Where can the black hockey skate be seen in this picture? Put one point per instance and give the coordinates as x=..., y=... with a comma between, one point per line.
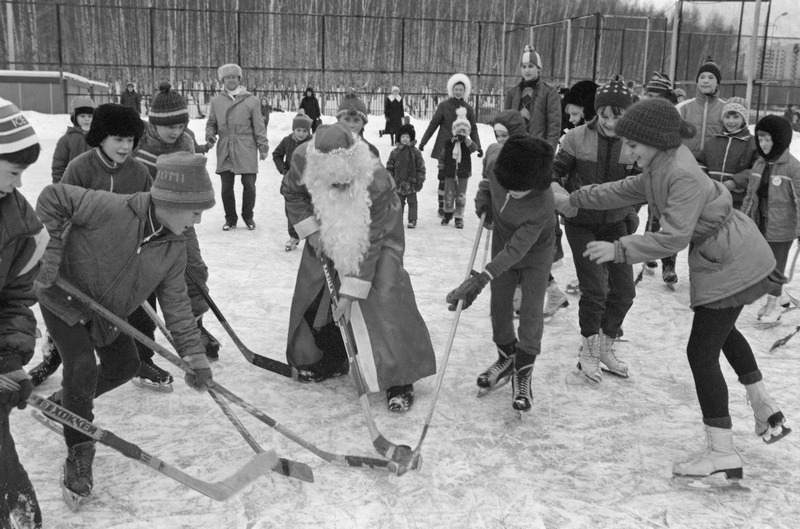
x=152, y=377
x=521, y=389
x=77, y=481
x=50, y=362
x=499, y=373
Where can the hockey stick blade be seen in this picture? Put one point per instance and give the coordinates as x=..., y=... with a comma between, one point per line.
x=256, y=467
x=123, y=325
x=256, y=359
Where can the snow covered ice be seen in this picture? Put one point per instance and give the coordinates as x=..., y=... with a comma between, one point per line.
x=582, y=458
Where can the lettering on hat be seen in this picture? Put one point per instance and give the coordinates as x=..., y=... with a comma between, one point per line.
x=19, y=120
x=171, y=176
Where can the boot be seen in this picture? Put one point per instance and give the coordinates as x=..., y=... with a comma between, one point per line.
x=770, y=313
x=554, y=299
x=720, y=456
x=521, y=382
x=499, y=372
x=209, y=342
x=769, y=419
x=614, y=365
x=668, y=274
x=460, y=224
x=589, y=358
x=447, y=218
x=51, y=359
x=78, y=468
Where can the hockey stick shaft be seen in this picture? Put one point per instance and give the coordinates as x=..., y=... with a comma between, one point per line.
x=256, y=359
x=124, y=326
x=796, y=302
x=256, y=467
x=283, y=466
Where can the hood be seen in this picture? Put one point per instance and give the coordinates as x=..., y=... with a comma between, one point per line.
x=781, y=132
x=513, y=121
x=459, y=78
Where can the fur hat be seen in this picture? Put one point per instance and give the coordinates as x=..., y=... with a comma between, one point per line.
x=81, y=105
x=781, y=132
x=582, y=94
x=182, y=182
x=17, y=132
x=738, y=105
x=459, y=78
x=406, y=129
x=168, y=107
x=524, y=163
x=613, y=94
x=229, y=69
x=513, y=122
x=529, y=56
x=112, y=119
x=301, y=121
x=711, y=67
x=655, y=122
x=352, y=104
x=659, y=84
x=461, y=125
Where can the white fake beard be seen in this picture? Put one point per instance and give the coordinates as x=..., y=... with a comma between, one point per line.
x=338, y=185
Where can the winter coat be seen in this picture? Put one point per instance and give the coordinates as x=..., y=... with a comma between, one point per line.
x=515, y=124
x=22, y=242
x=705, y=113
x=729, y=156
x=727, y=255
x=151, y=146
x=385, y=319
x=131, y=99
x=783, y=202
x=449, y=167
x=310, y=105
x=132, y=265
x=443, y=118
x=587, y=156
x=92, y=170
x=393, y=111
x=544, y=109
x=282, y=155
x=242, y=134
x=407, y=167
x=69, y=146
x=266, y=110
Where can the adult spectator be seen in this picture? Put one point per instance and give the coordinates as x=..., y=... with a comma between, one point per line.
x=131, y=98
x=393, y=112
x=310, y=105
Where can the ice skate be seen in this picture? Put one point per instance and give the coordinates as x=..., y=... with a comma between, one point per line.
x=669, y=276
x=323, y=370
x=589, y=358
x=51, y=360
x=446, y=218
x=574, y=288
x=719, y=458
x=650, y=268
x=291, y=244
x=400, y=398
x=554, y=299
x=770, y=314
x=152, y=377
x=521, y=388
x=459, y=223
x=77, y=481
x=499, y=373
x=769, y=419
x=608, y=359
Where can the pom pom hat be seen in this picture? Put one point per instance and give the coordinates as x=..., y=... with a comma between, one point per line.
x=524, y=163
x=659, y=84
x=529, y=56
x=352, y=104
x=229, y=69
x=16, y=132
x=301, y=121
x=655, y=122
x=182, y=182
x=613, y=94
x=168, y=107
x=711, y=67
x=114, y=120
x=461, y=124
x=738, y=105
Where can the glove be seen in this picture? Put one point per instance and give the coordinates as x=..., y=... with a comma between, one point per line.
x=421, y=147
x=211, y=140
x=48, y=272
x=17, y=397
x=480, y=153
x=468, y=290
x=483, y=204
x=200, y=378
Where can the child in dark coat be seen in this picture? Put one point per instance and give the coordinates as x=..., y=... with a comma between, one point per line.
x=408, y=170
x=73, y=142
x=282, y=156
x=455, y=166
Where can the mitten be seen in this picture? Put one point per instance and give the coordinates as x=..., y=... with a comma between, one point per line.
x=48, y=271
x=17, y=397
x=468, y=290
x=211, y=140
x=480, y=153
x=200, y=378
x=483, y=204
x=421, y=147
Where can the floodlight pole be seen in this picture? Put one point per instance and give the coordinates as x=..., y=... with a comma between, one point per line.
x=751, y=54
x=646, y=49
x=676, y=22
x=568, y=54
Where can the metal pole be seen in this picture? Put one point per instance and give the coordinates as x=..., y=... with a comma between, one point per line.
x=152, y=47
x=403, y=53
x=646, y=49
x=686, y=70
x=10, y=50
x=478, y=71
x=503, y=52
x=622, y=52
x=751, y=55
x=738, y=48
x=568, y=54
x=552, y=64
x=763, y=59
x=597, y=33
x=324, y=73
x=676, y=22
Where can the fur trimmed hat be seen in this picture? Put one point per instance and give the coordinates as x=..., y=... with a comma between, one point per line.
x=512, y=121
x=529, y=56
x=781, y=132
x=16, y=132
x=112, y=119
x=406, y=129
x=711, y=67
x=738, y=105
x=582, y=94
x=229, y=69
x=660, y=83
x=613, y=94
x=168, y=107
x=334, y=139
x=524, y=163
x=459, y=78
x=301, y=121
x=461, y=125
x=182, y=182
x=654, y=122
x=81, y=105
x=352, y=104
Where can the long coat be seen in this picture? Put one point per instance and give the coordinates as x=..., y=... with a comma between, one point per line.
x=242, y=134
x=544, y=109
x=443, y=118
x=393, y=111
x=390, y=333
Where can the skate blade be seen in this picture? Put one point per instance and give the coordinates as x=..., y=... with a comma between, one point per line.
x=615, y=373
x=774, y=435
x=152, y=386
x=482, y=392
x=577, y=378
x=670, y=286
x=72, y=499
x=767, y=325
x=712, y=483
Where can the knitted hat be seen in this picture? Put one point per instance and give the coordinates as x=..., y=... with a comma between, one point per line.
x=654, y=122
x=738, y=105
x=680, y=92
x=613, y=94
x=524, y=163
x=406, y=129
x=112, y=119
x=16, y=132
x=81, y=105
x=582, y=94
x=461, y=125
x=168, y=107
x=333, y=139
x=182, y=182
x=352, y=104
x=229, y=69
x=130, y=83
x=529, y=56
x=301, y=121
x=780, y=130
x=659, y=83
x=513, y=121
x=711, y=67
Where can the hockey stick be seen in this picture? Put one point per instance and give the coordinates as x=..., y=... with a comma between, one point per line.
x=124, y=326
x=283, y=466
x=396, y=453
x=219, y=490
x=257, y=360
x=415, y=454
x=647, y=228
x=796, y=302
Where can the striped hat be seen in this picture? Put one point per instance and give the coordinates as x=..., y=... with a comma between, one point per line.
x=168, y=107
x=659, y=83
x=16, y=132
